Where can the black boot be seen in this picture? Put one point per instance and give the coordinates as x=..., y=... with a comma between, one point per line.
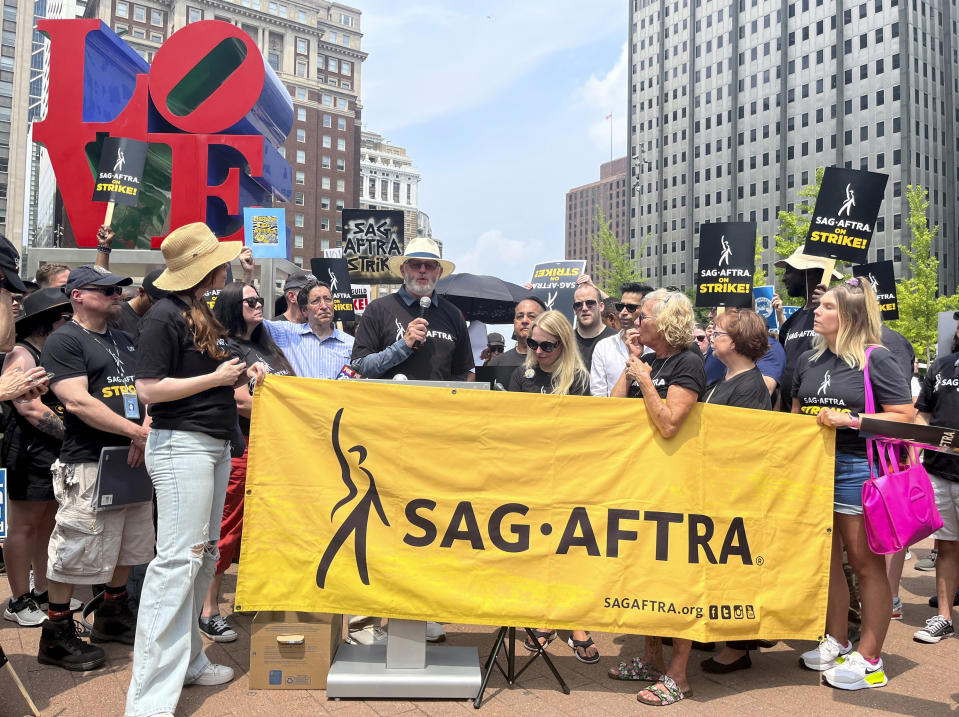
x=60, y=645
x=113, y=622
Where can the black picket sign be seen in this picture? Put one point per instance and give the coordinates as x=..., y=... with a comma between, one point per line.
x=336, y=273
x=120, y=171
x=882, y=276
x=845, y=216
x=727, y=260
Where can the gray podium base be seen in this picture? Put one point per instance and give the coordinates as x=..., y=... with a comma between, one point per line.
x=360, y=671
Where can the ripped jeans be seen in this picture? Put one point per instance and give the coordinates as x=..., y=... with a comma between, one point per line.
x=190, y=472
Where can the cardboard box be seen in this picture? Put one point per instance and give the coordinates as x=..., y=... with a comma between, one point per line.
x=293, y=650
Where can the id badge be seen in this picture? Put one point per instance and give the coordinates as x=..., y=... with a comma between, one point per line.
x=131, y=409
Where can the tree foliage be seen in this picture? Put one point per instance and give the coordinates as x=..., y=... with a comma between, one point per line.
x=919, y=303
x=617, y=266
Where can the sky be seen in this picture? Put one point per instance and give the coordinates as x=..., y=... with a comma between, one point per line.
x=501, y=105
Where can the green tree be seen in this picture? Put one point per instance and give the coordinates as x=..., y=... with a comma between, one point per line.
x=794, y=225
x=919, y=303
x=617, y=267
x=759, y=276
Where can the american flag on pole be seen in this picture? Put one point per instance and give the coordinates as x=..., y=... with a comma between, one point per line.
x=609, y=116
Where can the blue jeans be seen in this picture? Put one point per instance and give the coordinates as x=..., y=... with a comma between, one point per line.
x=190, y=472
x=851, y=472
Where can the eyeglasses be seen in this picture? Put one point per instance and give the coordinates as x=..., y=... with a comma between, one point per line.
x=547, y=346
x=17, y=298
x=642, y=317
x=717, y=332
x=105, y=290
x=253, y=301
x=496, y=349
x=318, y=301
x=428, y=265
x=702, y=337
x=631, y=308
x=590, y=303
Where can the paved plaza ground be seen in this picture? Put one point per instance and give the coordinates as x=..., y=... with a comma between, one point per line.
x=924, y=679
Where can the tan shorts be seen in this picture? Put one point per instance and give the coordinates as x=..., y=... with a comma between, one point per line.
x=947, y=501
x=86, y=545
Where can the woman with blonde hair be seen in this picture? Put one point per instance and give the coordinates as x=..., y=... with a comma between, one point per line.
x=670, y=381
x=830, y=384
x=185, y=375
x=554, y=365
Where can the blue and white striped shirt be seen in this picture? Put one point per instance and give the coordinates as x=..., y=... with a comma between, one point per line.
x=311, y=356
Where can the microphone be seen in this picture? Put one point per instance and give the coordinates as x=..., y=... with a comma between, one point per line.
x=424, y=305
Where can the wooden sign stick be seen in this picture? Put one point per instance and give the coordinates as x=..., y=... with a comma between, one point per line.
x=827, y=272
x=23, y=690
x=108, y=217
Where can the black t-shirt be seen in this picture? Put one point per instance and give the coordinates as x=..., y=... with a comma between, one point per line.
x=586, y=346
x=129, y=321
x=108, y=361
x=940, y=397
x=746, y=390
x=684, y=369
x=796, y=336
x=166, y=348
x=900, y=348
x=444, y=355
x=536, y=380
x=249, y=353
x=829, y=382
x=508, y=358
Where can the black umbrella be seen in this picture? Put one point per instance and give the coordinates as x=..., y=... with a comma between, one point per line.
x=482, y=298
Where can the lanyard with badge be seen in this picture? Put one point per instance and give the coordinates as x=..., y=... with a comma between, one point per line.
x=131, y=407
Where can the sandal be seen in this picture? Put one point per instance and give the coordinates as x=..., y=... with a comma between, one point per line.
x=668, y=694
x=583, y=645
x=634, y=671
x=548, y=635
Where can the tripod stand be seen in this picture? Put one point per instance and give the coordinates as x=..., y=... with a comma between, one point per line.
x=511, y=675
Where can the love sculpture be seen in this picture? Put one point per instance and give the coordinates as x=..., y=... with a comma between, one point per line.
x=212, y=109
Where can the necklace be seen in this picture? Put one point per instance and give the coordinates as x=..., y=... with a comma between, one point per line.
x=663, y=365
x=115, y=354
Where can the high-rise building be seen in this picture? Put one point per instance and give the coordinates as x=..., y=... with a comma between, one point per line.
x=314, y=47
x=583, y=204
x=388, y=180
x=734, y=104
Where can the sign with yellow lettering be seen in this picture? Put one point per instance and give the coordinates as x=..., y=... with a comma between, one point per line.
x=845, y=216
x=554, y=282
x=727, y=258
x=500, y=509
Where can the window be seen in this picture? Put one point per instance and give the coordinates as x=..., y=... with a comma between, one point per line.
x=333, y=37
x=339, y=204
x=301, y=70
x=301, y=114
x=346, y=40
x=324, y=203
x=300, y=135
x=301, y=177
x=156, y=17
x=138, y=33
x=123, y=9
x=301, y=93
x=298, y=220
x=347, y=20
x=340, y=165
x=327, y=121
x=325, y=161
x=341, y=103
x=327, y=141
x=302, y=46
x=327, y=100
x=325, y=182
x=341, y=123
x=325, y=224
x=320, y=62
x=341, y=144
x=299, y=199
x=274, y=59
x=298, y=260
x=139, y=13
x=300, y=156
x=332, y=65
x=156, y=37
x=119, y=28
x=301, y=17
x=346, y=68
x=297, y=241
x=340, y=187
x=193, y=14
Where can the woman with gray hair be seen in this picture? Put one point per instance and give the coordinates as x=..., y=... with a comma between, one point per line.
x=670, y=381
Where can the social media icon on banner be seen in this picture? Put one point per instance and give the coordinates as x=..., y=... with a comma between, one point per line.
x=714, y=612
x=750, y=613
x=738, y=612
x=726, y=612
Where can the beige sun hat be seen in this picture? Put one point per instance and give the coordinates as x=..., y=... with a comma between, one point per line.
x=421, y=248
x=802, y=261
x=190, y=253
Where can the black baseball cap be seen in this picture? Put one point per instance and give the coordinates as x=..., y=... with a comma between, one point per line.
x=93, y=275
x=297, y=279
x=10, y=263
x=152, y=291
x=495, y=339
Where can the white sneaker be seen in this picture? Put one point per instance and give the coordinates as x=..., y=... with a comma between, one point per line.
x=212, y=675
x=24, y=611
x=855, y=673
x=369, y=635
x=435, y=632
x=826, y=655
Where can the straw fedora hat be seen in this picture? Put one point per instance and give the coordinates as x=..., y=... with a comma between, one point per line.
x=801, y=261
x=421, y=248
x=190, y=253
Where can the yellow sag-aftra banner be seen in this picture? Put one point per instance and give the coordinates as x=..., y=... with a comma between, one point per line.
x=518, y=509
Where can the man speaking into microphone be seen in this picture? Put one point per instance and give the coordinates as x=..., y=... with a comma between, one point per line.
x=414, y=332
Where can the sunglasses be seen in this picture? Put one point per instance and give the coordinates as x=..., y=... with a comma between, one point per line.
x=496, y=349
x=700, y=338
x=428, y=265
x=105, y=290
x=547, y=346
x=253, y=301
x=629, y=307
x=17, y=298
x=590, y=303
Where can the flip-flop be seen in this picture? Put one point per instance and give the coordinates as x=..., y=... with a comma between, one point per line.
x=583, y=644
x=669, y=696
x=634, y=671
x=548, y=635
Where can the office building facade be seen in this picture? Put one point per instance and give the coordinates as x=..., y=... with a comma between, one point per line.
x=734, y=105
x=583, y=205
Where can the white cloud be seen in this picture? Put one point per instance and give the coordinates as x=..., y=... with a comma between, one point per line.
x=604, y=95
x=427, y=60
x=497, y=255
